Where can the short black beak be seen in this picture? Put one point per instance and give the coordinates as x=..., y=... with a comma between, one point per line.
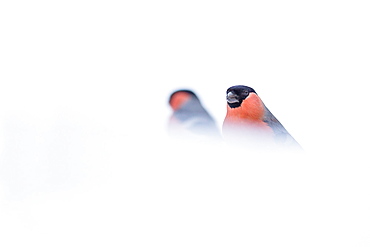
x=232, y=98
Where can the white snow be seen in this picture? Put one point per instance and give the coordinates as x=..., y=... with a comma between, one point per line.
x=85, y=158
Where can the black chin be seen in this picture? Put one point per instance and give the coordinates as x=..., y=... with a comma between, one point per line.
x=234, y=105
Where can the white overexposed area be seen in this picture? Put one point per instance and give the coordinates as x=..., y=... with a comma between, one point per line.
x=85, y=157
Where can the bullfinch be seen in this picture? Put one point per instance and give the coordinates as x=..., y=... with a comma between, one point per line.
x=249, y=121
x=189, y=118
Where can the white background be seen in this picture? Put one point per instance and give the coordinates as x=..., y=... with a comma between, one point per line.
x=85, y=157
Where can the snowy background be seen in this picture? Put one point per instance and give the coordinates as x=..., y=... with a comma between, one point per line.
x=85, y=158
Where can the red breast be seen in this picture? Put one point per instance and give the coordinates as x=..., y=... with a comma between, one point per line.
x=178, y=99
x=249, y=114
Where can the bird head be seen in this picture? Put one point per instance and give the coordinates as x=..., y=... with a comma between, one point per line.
x=235, y=95
x=180, y=97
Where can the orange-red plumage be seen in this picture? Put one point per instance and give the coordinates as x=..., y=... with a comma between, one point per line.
x=250, y=114
x=178, y=99
x=251, y=111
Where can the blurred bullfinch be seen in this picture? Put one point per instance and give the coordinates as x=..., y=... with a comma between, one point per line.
x=189, y=118
x=249, y=121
